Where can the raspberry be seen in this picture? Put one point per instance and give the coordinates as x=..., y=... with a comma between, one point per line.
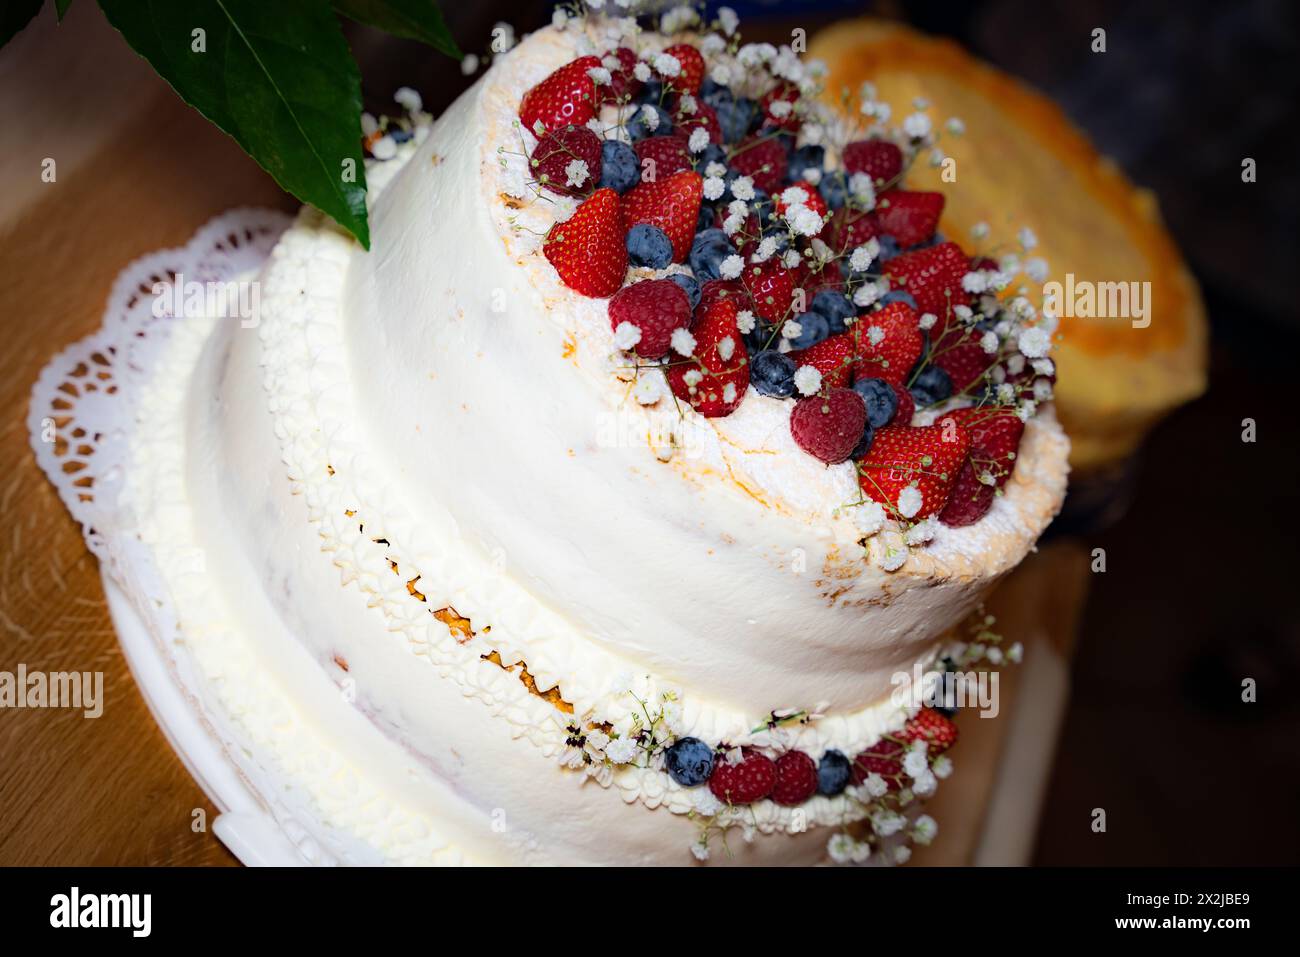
x=829, y=427
x=655, y=306
x=750, y=780
x=796, y=778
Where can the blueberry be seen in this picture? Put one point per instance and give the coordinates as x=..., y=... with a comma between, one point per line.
x=934, y=240
x=804, y=158
x=400, y=135
x=932, y=385
x=815, y=327
x=705, y=219
x=711, y=89
x=772, y=374
x=864, y=443
x=735, y=116
x=898, y=295
x=834, y=189
x=689, y=762
x=833, y=773
x=707, y=252
x=881, y=400
x=620, y=169
x=652, y=91
x=648, y=246
x=713, y=153
x=836, y=307
x=638, y=129
x=889, y=247
x=760, y=337
x=689, y=286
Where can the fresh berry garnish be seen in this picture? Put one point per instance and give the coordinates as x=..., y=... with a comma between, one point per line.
x=995, y=433
x=933, y=276
x=982, y=263
x=648, y=246
x=662, y=156
x=833, y=358
x=587, y=249
x=713, y=379
x=750, y=779
x=733, y=289
x=763, y=159
x=620, y=167
x=828, y=426
x=772, y=373
x=813, y=328
x=623, y=85
x=835, y=306
x=689, y=285
x=649, y=119
x=849, y=228
x=939, y=732
x=958, y=352
x=881, y=400
x=796, y=779
x=885, y=758
x=771, y=287
x=906, y=405
x=911, y=470
x=554, y=152
x=691, y=75
x=833, y=773
x=708, y=249
x=800, y=193
x=565, y=98
x=671, y=204
x=910, y=217
x=703, y=117
x=889, y=343
x=656, y=307
x=930, y=387
x=781, y=116
x=689, y=762
x=879, y=159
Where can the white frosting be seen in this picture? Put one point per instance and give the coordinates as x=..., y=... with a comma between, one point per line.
x=446, y=395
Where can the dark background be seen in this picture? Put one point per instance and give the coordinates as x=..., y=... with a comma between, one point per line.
x=1201, y=586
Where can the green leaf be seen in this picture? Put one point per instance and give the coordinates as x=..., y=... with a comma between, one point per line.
x=414, y=19
x=61, y=8
x=278, y=77
x=14, y=15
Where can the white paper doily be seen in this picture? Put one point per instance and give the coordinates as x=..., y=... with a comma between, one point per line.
x=83, y=408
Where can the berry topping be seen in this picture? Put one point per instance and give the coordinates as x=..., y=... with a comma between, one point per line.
x=714, y=377
x=832, y=357
x=995, y=433
x=772, y=373
x=906, y=405
x=568, y=161
x=703, y=118
x=771, y=287
x=884, y=758
x=932, y=727
x=623, y=84
x=587, y=249
x=620, y=167
x=671, y=204
x=933, y=276
x=959, y=353
x=662, y=156
x=565, y=98
x=650, y=119
x=849, y=228
x=648, y=246
x=689, y=762
x=708, y=250
x=889, y=343
x=691, y=74
x=881, y=400
x=930, y=387
x=833, y=773
x=655, y=308
x=911, y=470
x=731, y=289
x=750, y=779
x=763, y=159
x=796, y=778
x=911, y=218
x=777, y=106
x=836, y=307
x=879, y=159
x=813, y=328
x=690, y=286
x=829, y=426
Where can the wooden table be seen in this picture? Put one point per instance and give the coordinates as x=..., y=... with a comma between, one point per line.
x=138, y=171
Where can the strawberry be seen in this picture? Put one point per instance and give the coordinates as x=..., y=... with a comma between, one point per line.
x=829, y=426
x=750, y=780
x=892, y=357
x=933, y=276
x=771, y=287
x=565, y=98
x=623, y=84
x=958, y=352
x=995, y=433
x=763, y=159
x=926, y=459
x=982, y=263
x=879, y=159
x=796, y=778
x=833, y=358
x=910, y=217
x=587, y=250
x=662, y=156
x=714, y=378
x=655, y=306
x=850, y=228
x=704, y=116
x=783, y=92
x=691, y=76
x=906, y=405
x=885, y=758
x=800, y=193
x=732, y=289
x=929, y=725
x=672, y=204
x=556, y=150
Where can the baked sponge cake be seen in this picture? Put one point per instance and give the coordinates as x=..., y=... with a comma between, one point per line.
x=592, y=515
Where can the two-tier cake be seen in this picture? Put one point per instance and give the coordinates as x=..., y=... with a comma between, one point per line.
x=591, y=515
